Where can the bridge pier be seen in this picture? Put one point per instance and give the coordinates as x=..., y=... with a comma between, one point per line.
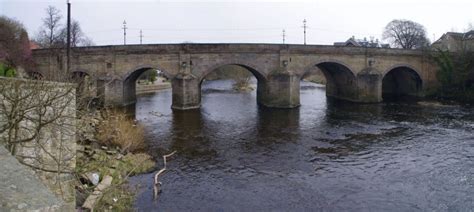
x=116, y=92
x=369, y=84
x=280, y=90
x=110, y=92
x=186, y=90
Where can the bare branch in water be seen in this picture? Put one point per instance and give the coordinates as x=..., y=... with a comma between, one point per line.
x=157, y=183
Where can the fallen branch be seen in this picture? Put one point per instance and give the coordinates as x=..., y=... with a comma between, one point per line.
x=157, y=183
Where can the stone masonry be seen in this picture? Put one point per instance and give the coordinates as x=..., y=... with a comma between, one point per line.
x=21, y=190
x=352, y=73
x=37, y=119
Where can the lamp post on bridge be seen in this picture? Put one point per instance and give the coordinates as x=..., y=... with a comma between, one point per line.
x=284, y=35
x=304, y=30
x=141, y=37
x=124, y=32
x=68, y=42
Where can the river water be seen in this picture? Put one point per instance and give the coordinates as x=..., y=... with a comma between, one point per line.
x=323, y=156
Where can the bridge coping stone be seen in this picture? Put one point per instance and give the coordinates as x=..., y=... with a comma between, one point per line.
x=234, y=48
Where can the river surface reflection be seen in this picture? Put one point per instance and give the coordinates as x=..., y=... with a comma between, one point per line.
x=325, y=155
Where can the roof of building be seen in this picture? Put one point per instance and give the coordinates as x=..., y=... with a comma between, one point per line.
x=456, y=36
x=469, y=35
x=34, y=45
x=362, y=43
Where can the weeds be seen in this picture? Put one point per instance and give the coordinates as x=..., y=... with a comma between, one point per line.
x=119, y=130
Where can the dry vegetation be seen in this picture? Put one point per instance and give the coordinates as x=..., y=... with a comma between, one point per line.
x=118, y=130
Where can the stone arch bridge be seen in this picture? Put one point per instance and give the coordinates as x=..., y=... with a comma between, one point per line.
x=352, y=73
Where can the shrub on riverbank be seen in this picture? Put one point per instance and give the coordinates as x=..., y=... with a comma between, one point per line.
x=118, y=130
x=6, y=71
x=455, y=75
x=242, y=84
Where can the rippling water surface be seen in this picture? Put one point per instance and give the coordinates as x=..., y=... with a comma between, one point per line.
x=324, y=155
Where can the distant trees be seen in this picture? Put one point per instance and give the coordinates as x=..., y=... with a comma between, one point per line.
x=405, y=34
x=150, y=75
x=53, y=34
x=78, y=38
x=48, y=35
x=14, y=46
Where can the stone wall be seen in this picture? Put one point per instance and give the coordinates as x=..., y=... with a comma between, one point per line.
x=21, y=190
x=37, y=125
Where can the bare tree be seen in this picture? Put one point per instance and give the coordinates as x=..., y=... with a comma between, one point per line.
x=37, y=125
x=78, y=38
x=470, y=26
x=76, y=34
x=53, y=34
x=406, y=34
x=30, y=107
x=48, y=35
x=87, y=42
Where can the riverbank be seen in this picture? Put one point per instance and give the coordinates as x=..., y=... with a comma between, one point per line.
x=150, y=88
x=104, y=164
x=461, y=97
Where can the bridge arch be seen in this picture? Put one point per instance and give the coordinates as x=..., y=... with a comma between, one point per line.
x=136, y=71
x=329, y=61
x=341, y=82
x=259, y=75
x=86, y=87
x=401, y=80
x=250, y=67
x=35, y=75
x=130, y=78
x=78, y=75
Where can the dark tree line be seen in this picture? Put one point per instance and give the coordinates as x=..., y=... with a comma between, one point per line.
x=455, y=74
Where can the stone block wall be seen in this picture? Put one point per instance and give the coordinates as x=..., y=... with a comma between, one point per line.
x=21, y=190
x=37, y=126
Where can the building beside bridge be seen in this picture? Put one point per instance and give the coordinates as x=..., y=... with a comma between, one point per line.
x=455, y=41
x=352, y=41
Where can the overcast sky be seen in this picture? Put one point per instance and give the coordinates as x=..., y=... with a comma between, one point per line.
x=244, y=21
